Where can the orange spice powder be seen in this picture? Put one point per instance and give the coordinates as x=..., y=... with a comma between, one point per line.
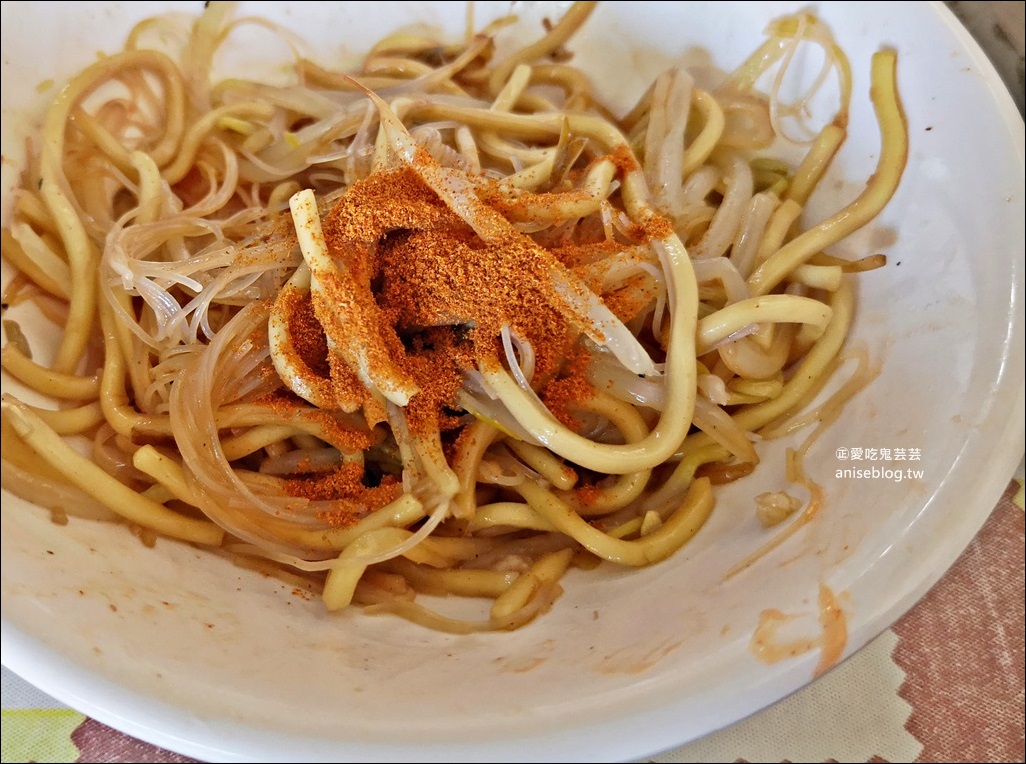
x=563, y=394
x=442, y=293
x=431, y=299
x=308, y=339
x=345, y=486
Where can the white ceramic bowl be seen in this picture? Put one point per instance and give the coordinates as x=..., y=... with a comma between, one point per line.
x=188, y=652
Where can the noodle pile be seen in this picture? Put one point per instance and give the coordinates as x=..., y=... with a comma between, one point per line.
x=443, y=325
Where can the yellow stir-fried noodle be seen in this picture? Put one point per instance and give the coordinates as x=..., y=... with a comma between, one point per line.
x=441, y=325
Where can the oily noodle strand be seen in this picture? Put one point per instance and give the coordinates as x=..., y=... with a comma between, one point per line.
x=880, y=188
x=440, y=325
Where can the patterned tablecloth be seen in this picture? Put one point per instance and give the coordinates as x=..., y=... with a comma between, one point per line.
x=945, y=683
